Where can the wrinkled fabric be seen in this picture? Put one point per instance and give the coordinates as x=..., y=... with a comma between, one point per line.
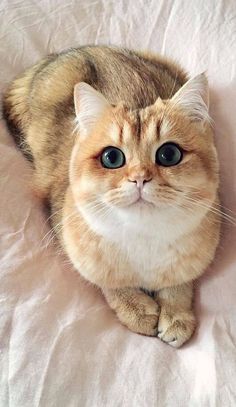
x=60, y=344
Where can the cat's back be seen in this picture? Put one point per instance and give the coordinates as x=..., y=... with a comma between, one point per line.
x=136, y=78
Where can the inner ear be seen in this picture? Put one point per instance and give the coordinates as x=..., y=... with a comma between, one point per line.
x=193, y=98
x=89, y=106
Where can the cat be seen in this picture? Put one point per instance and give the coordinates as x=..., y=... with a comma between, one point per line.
x=123, y=152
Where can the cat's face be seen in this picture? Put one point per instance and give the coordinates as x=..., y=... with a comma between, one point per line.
x=144, y=169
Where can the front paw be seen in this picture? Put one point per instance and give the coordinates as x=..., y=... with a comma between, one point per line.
x=175, y=328
x=142, y=316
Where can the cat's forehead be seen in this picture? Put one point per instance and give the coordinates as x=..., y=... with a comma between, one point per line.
x=134, y=127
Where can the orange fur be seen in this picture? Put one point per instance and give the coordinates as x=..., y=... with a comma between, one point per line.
x=164, y=239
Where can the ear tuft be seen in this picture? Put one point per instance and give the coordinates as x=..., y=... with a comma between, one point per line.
x=89, y=106
x=193, y=98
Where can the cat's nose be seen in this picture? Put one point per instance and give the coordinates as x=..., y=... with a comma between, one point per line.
x=139, y=180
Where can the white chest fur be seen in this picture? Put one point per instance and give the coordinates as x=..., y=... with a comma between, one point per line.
x=142, y=245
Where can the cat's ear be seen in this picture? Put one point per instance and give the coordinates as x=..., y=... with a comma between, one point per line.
x=89, y=105
x=193, y=98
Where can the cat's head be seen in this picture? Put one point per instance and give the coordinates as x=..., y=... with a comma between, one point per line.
x=146, y=169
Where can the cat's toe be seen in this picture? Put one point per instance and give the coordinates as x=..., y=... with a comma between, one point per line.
x=148, y=325
x=175, y=328
x=143, y=319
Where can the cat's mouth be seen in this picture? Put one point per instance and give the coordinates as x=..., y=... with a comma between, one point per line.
x=141, y=202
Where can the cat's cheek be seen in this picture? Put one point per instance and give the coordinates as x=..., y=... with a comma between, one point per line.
x=189, y=175
x=88, y=187
x=112, y=182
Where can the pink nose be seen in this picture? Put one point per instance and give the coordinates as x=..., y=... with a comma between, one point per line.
x=139, y=180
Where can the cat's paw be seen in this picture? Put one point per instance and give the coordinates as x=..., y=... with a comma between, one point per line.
x=141, y=318
x=175, y=328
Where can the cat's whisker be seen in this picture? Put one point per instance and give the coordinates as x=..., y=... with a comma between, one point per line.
x=97, y=206
x=99, y=209
x=209, y=203
x=213, y=210
x=103, y=212
x=52, y=233
x=210, y=207
x=52, y=216
x=92, y=206
x=188, y=206
x=47, y=235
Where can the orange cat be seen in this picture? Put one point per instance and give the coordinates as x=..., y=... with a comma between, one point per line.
x=131, y=172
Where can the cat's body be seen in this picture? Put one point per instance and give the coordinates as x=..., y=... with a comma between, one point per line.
x=118, y=241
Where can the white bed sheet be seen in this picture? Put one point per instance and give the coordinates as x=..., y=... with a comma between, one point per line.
x=60, y=344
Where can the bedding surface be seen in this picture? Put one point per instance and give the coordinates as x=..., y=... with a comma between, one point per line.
x=60, y=344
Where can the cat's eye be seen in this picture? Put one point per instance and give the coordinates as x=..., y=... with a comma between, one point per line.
x=112, y=157
x=169, y=154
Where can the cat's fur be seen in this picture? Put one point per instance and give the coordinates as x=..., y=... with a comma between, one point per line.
x=124, y=247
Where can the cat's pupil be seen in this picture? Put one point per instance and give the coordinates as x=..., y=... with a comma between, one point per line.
x=168, y=153
x=112, y=156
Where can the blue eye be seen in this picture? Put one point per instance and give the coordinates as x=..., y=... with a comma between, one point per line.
x=112, y=157
x=169, y=154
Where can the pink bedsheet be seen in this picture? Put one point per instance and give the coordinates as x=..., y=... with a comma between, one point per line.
x=60, y=344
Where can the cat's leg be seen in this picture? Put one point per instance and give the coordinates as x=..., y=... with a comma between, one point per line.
x=135, y=309
x=177, y=321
